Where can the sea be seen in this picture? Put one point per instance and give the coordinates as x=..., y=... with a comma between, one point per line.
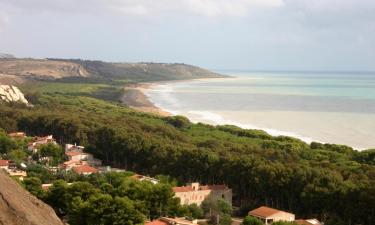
x=327, y=107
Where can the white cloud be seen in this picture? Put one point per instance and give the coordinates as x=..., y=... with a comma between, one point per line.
x=227, y=8
x=211, y=8
x=4, y=20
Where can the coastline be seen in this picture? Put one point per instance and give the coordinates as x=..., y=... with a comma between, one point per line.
x=134, y=96
x=137, y=96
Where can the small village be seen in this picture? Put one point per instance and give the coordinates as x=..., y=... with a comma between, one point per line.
x=77, y=160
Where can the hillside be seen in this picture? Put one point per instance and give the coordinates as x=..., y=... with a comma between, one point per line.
x=319, y=180
x=18, y=207
x=145, y=71
x=40, y=69
x=13, y=70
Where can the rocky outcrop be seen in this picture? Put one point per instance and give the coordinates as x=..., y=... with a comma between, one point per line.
x=9, y=93
x=19, y=207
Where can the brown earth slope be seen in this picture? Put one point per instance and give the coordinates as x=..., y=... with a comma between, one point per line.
x=41, y=68
x=15, y=71
x=19, y=207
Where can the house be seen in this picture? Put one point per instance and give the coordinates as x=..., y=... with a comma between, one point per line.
x=171, y=221
x=7, y=165
x=196, y=193
x=308, y=222
x=35, y=144
x=77, y=148
x=84, y=158
x=19, y=135
x=270, y=215
x=20, y=174
x=4, y=164
x=85, y=169
x=71, y=164
x=156, y=222
x=78, y=156
x=144, y=178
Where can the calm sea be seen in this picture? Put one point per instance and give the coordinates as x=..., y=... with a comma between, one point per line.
x=327, y=107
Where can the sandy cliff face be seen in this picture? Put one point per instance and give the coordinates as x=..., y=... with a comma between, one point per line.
x=41, y=68
x=19, y=207
x=9, y=93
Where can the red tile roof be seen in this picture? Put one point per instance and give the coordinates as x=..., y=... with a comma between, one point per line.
x=264, y=212
x=85, y=169
x=183, y=189
x=156, y=222
x=74, y=153
x=71, y=162
x=4, y=162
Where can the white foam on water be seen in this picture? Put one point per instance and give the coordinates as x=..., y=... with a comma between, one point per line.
x=217, y=119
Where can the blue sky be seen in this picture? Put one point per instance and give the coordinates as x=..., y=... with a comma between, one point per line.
x=216, y=34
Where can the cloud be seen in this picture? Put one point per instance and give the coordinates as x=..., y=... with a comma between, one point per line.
x=4, y=20
x=227, y=8
x=210, y=8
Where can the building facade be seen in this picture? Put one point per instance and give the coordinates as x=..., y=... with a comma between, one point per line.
x=269, y=215
x=38, y=141
x=195, y=193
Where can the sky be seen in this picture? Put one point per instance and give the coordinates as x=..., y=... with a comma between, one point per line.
x=216, y=34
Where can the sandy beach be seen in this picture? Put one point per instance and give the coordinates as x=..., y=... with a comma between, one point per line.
x=135, y=98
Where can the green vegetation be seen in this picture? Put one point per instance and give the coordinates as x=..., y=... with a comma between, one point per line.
x=110, y=198
x=106, y=90
x=141, y=72
x=249, y=220
x=329, y=182
x=218, y=211
x=54, y=153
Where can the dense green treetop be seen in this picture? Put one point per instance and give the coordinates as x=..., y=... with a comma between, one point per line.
x=316, y=180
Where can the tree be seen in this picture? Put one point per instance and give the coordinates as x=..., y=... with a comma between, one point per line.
x=178, y=121
x=34, y=186
x=54, y=151
x=56, y=197
x=17, y=156
x=249, y=220
x=6, y=144
x=219, y=211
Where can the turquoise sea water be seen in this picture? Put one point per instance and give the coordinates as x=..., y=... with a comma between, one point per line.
x=327, y=107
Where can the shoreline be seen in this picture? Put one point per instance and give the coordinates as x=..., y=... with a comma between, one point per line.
x=134, y=97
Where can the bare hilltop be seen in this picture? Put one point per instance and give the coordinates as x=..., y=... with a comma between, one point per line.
x=16, y=70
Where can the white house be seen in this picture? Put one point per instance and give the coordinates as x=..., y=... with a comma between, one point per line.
x=33, y=145
x=270, y=215
x=77, y=148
